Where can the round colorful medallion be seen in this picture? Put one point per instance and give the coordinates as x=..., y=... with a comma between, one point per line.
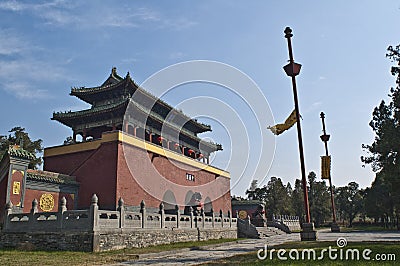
x=46, y=202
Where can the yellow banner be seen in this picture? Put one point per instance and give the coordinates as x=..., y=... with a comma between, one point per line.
x=289, y=122
x=325, y=167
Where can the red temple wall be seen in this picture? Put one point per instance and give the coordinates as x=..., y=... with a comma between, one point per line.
x=31, y=194
x=3, y=198
x=96, y=173
x=3, y=189
x=74, y=160
x=106, y=173
x=132, y=193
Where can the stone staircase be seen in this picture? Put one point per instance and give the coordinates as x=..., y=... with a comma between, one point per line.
x=248, y=230
x=264, y=232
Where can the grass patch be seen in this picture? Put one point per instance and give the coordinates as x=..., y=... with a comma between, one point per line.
x=18, y=257
x=376, y=247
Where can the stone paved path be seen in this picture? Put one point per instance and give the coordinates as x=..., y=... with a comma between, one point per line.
x=210, y=253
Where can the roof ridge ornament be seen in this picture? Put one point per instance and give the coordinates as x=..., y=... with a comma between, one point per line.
x=114, y=71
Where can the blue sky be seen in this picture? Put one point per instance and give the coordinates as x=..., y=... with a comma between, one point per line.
x=46, y=47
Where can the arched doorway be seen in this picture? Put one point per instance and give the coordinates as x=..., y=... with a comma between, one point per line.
x=169, y=201
x=208, y=206
x=192, y=199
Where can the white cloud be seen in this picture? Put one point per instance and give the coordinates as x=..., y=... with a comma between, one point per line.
x=12, y=6
x=24, y=90
x=54, y=13
x=22, y=67
x=10, y=43
x=176, y=55
x=75, y=14
x=314, y=106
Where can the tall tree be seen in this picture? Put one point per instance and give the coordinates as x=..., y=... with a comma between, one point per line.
x=350, y=201
x=319, y=200
x=298, y=199
x=277, y=199
x=275, y=195
x=384, y=152
x=18, y=136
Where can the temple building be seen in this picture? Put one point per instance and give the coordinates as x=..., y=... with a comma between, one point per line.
x=134, y=146
x=20, y=185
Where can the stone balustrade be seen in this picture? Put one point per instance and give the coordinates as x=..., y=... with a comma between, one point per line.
x=287, y=222
x=95, y=219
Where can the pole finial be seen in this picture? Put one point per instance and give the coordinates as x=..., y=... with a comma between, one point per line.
x=322, y=115
x=288, y=32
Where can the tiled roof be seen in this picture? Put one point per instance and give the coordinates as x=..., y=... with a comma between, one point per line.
x=107, y=108
x=86, y=93
x=83, y=90
x=91, y=111
x=160, y=119
x=16, y=151
x=50, y=177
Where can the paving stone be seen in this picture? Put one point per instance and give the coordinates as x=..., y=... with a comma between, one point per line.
x=215, y=252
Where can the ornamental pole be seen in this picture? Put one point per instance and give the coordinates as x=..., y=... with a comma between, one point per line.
x=325, y=139
x=293, y=69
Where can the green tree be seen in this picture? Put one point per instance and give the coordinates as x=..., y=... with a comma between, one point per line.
x=384, y=152
x=275, y=195
x=349, y=201
x=256, y=193
x=319, y=200
x=277, y=200
x=378, y=200
x=298, y=199
x=20, y=137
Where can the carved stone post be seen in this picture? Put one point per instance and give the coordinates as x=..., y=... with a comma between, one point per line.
x=221, y=215
x=121, y=210
x=213, y=217
x=143, y=212
x=61, y=209
x=33, y=211
x=230, y=218
x=191, y=216
x=203, y=217
x=63, y=205
x=178, y=216
x=162, y=214
x=8, y=211
x=94, y=208
x=34, y=206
